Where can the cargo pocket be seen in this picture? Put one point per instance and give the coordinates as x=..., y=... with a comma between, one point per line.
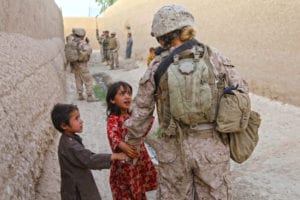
x=168, y=150
x=216, y=168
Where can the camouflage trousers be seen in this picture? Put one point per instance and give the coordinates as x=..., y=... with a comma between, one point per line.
x=82, y=77
x=101, y=54
x=106, y=54
x=197, y=169
x=114, y=59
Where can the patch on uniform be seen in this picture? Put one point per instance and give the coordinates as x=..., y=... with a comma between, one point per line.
x=227, y=62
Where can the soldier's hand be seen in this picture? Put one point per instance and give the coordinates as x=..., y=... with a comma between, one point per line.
x=228, y=90
x=87, y=40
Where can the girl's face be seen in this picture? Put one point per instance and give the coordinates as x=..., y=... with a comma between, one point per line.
x=123, y=99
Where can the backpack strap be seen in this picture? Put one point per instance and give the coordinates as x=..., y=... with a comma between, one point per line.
x=163, y=66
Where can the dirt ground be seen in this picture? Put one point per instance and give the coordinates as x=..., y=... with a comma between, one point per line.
x=272, y=172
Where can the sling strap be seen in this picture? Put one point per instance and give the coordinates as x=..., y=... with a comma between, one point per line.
x=163, y=66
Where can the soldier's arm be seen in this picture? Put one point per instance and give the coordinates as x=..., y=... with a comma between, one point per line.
x=227, y=71
x=84, y=47
x=118, y=45
x=97, y=35
x=143, y=106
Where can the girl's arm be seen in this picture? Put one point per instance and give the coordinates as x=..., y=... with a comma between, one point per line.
x=115, y=139
x=113, y=132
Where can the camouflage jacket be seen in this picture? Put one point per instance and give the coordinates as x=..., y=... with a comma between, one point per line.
x=105, y=42
x=114, y=44
x=144, y=102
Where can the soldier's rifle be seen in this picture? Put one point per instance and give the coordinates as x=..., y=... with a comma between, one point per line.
x=97, y=28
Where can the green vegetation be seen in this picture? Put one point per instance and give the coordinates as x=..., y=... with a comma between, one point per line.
x=104, y=4
x=159, y=133
x=100, y=93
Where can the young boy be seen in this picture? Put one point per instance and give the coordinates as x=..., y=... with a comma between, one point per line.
x=151, y=55
x=75, y=161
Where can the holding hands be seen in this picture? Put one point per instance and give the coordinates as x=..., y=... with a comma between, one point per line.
x=119, y=156
x=129, y=150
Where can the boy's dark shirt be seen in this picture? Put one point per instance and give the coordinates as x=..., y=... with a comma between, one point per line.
x=75, y=162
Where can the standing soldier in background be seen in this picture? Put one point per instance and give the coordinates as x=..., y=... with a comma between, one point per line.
x=114, y=46
x=100, y=41
x=185, y=87
x=105, y=45
x=129, y=45
x=78, y=56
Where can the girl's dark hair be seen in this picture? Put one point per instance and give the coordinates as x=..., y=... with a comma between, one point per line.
x=111, y=93
x=60, y=114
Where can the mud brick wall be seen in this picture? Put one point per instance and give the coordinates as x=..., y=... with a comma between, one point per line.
x=31, y=82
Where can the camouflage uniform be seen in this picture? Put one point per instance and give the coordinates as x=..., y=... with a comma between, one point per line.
x=105, y=45
x=80, y=68
x=193, y=161
x=114, y=46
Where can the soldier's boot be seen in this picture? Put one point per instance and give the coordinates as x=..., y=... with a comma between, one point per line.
x=91, y=98
x=80, y=97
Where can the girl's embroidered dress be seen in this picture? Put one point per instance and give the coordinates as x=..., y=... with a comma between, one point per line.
x=129, y=181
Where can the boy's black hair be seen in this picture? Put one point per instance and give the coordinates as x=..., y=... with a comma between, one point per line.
x=111, y=93
x=151, y=49
x=60, y=114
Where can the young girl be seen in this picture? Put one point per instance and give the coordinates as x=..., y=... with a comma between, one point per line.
x=128, y=181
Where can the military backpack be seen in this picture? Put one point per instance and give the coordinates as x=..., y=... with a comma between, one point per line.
x=73, y=52
x=192, y=87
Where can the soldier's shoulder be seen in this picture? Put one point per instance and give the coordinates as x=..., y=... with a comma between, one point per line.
x=217, y=55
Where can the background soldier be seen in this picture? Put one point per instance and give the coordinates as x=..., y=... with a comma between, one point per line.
x=114, y=46
x=105, y=45
x=80, y=68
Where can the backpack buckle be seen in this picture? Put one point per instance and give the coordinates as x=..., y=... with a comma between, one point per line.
x=199, y=51
x=176, y=59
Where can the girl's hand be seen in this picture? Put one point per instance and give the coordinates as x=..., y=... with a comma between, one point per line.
x=129, y=150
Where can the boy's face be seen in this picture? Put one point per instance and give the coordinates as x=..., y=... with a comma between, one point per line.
x=75, y=123
x=152, y=52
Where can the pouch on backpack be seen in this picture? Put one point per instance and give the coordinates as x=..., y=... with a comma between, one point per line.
x=242, y=143
x=71, y=52
x=233, y=113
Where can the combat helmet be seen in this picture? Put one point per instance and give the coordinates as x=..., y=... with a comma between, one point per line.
x=170, y=18
x=78, y=31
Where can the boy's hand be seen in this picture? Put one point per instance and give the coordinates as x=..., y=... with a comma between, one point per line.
x=119, y=156
x=129, y=150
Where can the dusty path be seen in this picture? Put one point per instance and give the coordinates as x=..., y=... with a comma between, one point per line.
x=272, y=173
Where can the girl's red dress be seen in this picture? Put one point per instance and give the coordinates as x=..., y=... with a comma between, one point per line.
x=128, y=181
